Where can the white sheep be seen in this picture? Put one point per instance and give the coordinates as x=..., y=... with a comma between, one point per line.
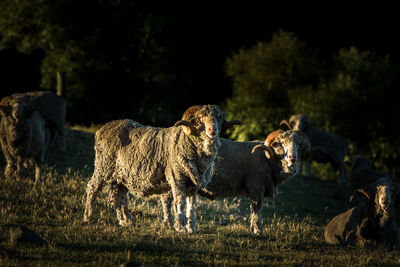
x=151, y=161
x=251, y=169
x=334, y=147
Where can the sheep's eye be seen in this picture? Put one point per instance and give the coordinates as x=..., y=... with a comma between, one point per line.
x=275, y=144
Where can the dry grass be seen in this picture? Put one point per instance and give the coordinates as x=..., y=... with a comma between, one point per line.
x=293, y=224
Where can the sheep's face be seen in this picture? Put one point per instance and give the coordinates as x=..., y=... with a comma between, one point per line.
x=299, y=122
x=208, y=119
x=18, y=109
x=384, y=196
x=359, y=162
x=287, y=146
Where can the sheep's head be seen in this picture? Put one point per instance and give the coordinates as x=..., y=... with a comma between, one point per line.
x=297, y=122
x=359, y=162
x=287, y=146
x=210, y=119
x=16, y=108
x=382, y=193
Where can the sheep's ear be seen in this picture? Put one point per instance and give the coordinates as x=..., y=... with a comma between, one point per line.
x=361, y=192
x=268, y=152
x=284, y=122
x=188, y=127
x=226, y=125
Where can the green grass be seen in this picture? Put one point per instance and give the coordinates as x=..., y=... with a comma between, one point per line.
x=293, y=223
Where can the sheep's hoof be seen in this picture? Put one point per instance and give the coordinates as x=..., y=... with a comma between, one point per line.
x=179, y=228
x=191, y=230
x=125, y=223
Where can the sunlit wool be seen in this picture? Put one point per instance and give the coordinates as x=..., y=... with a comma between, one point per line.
x=335, y=146
x=150, y=161
x=238, y=171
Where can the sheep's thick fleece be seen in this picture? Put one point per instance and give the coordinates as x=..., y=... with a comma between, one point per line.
x=148, y=161
x=138, y=156
x=23, y=142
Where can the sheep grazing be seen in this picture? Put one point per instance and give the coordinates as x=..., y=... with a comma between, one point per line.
x=51, y=107
x=23, y=139
x=151, y=161
x=253, y=170
x=335, y=147
x=372, y=222
x=362, y=172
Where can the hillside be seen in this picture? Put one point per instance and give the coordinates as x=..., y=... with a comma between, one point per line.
x=293, y=224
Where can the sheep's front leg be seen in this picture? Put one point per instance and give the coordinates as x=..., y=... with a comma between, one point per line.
x=118, y=199
x=256, y=198
x=38, y=165
x=94, y=186
x=190, y=203
x=342, y=172
x=166, y=202
x=308, y=167
x=299, y=167
x=179, y=202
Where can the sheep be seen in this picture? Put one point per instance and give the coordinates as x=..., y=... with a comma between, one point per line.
x=151, y=161
x=251, y=169
x=372, y=222
x=362, y=172
x=23, y=139
x=51, y=107
x=335, y=146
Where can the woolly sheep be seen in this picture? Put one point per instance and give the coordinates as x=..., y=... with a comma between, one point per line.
x=51, y=107
x=23, y=139
x=335, y=146
x=253, y=170
x=151, y=161
x=372, y=222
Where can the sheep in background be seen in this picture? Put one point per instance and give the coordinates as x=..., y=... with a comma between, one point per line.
x=51, y=107
x=151, y=161
x=23, y=139
x=335, y=146
x=251, y=169
x=372, y=222
x=362, y=172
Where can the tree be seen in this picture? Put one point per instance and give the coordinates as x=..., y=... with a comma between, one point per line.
x=268, y=82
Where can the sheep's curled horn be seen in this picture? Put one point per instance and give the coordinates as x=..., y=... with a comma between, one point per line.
x=266, y=146
x=284, y=122
x=188, y=127
x=361, y=192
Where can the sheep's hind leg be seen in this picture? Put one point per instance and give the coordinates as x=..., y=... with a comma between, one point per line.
x=94, y=186
x=166, y=202
x=118, y=199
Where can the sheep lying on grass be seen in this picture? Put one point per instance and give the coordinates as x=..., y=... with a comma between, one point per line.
x=335, y=147
x=251, y=169
x=151, y=161
x=23, y=139
x=372, y=222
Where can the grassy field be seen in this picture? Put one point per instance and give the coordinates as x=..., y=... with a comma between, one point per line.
x=293, y=224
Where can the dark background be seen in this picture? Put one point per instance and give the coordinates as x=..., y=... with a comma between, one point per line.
x=197, y=37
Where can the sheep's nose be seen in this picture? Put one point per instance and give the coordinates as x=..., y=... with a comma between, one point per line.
x=212, y=131
x=292, y=158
